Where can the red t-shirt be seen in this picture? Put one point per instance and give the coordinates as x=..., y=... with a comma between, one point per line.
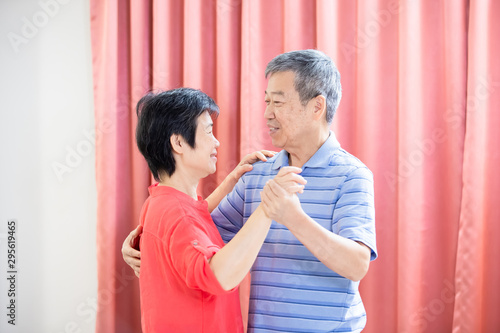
x=179, y=291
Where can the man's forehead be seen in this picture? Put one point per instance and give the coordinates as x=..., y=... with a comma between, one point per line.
x=280, y=83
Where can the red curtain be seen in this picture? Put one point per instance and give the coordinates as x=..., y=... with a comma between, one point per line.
x=420, y=107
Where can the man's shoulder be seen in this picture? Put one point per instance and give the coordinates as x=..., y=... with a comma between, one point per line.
x=344, y=162
x=261, y=168
x=257, y=177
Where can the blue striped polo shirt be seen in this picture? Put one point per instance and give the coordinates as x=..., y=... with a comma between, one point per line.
x=291, y=290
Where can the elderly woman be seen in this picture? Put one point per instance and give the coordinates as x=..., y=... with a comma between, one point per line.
x=188, y=276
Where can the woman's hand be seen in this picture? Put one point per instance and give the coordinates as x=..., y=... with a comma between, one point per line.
x=230, y=181
x=289, y=179
x=246, y=163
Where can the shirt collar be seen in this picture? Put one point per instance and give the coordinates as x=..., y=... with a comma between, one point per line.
x=320, y=159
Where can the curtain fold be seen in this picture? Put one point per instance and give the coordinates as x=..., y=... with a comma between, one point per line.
x=121, y=75
x=478, y=268
x=420, y=107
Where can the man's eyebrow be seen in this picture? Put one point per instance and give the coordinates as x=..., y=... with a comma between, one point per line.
x=210, y=125
x=279, y=92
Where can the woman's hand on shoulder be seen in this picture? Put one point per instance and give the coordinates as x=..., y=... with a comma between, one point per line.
x=246, y=163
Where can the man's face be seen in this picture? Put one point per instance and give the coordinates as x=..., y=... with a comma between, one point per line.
x=286, y=117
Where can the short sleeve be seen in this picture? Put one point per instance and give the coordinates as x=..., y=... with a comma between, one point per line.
x=354, y=213
x=228, y=216
x=190, y=248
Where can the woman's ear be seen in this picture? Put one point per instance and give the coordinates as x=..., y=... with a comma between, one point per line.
x=177, y=143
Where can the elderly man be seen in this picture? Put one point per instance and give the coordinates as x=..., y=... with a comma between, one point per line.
x=321, y=242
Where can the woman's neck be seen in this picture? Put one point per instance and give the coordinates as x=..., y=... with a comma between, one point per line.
x=181, y=182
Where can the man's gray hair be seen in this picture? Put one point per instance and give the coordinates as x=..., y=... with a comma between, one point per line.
x=315, y=74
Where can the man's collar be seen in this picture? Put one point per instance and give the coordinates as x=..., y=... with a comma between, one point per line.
x=320, y=159
x=281, y=160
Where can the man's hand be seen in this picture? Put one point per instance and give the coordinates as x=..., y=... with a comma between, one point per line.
x=130, y=250
x=279, y=198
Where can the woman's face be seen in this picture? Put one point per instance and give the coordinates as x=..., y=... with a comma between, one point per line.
x=203, y=157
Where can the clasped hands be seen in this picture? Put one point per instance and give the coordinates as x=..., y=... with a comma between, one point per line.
x=279, y=198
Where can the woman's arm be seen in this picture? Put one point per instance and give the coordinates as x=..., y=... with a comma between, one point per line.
x=130, y=248
x=228, y=183
x=232, y=263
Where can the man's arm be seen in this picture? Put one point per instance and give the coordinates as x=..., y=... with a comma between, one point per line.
x=346, y=257
x=130, y=250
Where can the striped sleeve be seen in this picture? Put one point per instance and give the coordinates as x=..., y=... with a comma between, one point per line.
x=354, y=213
x=228, y=216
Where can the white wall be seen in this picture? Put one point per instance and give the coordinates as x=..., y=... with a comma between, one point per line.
x=46, y=110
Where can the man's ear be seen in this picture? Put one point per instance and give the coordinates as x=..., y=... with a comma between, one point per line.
x=319, y=107
x=177, y=143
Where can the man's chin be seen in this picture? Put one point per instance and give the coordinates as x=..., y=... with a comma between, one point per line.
x=276, y=143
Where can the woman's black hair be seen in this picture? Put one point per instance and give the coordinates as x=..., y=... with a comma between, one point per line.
x=160, y=115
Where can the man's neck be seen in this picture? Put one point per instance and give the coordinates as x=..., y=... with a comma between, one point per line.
x=299, y=156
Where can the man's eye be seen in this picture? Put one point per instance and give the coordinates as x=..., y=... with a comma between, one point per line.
x=267, y=102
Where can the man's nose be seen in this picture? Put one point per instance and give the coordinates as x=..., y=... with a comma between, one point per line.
x=269, y=112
